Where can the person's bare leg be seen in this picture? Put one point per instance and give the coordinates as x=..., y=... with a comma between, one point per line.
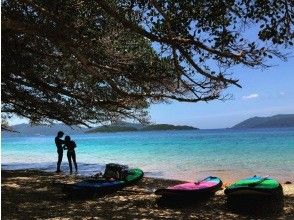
x=69, y=161
x=74, y=160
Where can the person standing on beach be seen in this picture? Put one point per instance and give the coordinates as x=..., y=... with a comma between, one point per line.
x=59, y=144
x=71, y=154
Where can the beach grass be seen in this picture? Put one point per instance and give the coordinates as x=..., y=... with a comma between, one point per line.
x=33, y=194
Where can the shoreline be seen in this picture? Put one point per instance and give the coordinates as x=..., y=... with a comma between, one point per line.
x=89, y=169
x=31, y=194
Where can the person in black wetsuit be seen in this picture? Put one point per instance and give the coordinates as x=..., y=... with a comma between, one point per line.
x=71, y=154
x=59, y=144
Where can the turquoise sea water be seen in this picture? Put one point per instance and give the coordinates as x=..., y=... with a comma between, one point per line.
x=186, y=155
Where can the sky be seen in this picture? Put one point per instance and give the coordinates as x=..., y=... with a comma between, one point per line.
x=263, y=93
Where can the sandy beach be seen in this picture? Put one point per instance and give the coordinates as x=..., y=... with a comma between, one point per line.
x=33, y=194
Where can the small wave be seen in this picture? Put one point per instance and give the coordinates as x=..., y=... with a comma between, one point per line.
x=214, y=170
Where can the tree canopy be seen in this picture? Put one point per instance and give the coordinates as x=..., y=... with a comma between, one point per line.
x=84, y=62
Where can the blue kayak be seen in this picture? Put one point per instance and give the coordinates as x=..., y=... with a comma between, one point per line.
x=102, y=185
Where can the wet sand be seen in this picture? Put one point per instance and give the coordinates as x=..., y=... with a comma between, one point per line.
x=33, y=194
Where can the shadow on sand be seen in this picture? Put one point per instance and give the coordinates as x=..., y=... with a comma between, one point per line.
x=33, y=195
x=261, y=206
x=182, y=202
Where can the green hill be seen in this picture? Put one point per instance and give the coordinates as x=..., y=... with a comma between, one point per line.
x=135, y=127
x=162, y=127
x=112, y=128
x=276, y=121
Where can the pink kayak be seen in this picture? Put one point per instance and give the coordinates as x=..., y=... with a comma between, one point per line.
x=204, y=187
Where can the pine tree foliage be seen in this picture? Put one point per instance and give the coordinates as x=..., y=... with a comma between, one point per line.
x=85, y=62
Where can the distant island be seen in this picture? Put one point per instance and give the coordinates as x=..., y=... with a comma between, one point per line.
x=42, y=130
x=137, y=127
x=276, y=121
x=46, y=130
x=112, y=128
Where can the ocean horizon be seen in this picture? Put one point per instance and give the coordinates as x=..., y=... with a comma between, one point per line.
x=185, y=155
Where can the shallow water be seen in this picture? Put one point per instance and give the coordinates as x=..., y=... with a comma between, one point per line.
x=185, y=155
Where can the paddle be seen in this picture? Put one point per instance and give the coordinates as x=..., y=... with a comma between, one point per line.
x=209, y=177
x=258, y=182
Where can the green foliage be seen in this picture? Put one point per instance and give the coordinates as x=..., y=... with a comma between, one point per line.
x=160, y=127
x=107, y=128
x=276, y=121
x=135, y=127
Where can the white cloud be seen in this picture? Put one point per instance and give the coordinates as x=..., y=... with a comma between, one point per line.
x=251, y=96
x=282, y=93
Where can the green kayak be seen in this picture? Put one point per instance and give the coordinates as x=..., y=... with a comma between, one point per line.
x=133, y=176
x=256, y=195
x=254, y=185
